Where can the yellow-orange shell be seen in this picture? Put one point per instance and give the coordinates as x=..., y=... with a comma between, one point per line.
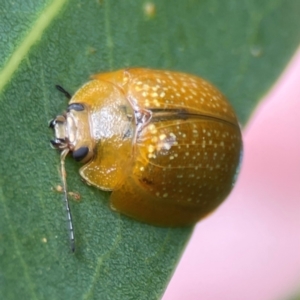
x=168, y=144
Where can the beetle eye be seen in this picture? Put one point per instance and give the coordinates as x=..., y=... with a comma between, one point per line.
x=52, y=123
x=80, y=153
x=54, y=143
x=75, y=106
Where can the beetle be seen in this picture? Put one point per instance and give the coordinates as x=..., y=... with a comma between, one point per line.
x=167, y=144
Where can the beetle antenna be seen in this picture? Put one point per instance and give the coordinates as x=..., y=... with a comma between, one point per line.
x=62, y=90
x=64, y=181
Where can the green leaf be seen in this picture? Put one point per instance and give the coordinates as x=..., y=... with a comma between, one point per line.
x=241, y=46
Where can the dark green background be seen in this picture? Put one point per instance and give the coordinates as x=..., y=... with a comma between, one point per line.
x=241, y=46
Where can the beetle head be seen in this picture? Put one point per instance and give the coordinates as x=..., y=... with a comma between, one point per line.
x=72, y=132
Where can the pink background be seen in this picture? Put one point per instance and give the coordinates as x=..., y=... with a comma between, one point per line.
x=250, y=248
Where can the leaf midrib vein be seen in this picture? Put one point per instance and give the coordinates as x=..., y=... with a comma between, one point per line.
x=44, y=20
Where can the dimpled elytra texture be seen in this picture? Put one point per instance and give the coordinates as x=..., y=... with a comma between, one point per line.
x=168, y=144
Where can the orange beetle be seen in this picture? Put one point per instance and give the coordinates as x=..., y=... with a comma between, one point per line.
x=167, y=144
